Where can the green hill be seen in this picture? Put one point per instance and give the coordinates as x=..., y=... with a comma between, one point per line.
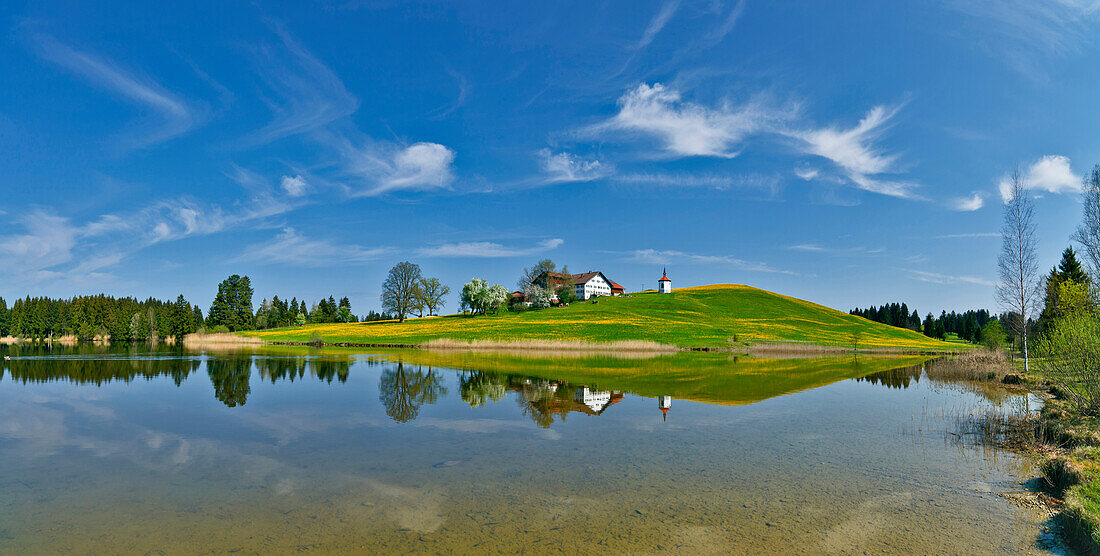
x=707, y=316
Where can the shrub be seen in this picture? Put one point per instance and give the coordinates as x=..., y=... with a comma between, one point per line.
x=1070, y=352
x=221, y=329
x=993, y=335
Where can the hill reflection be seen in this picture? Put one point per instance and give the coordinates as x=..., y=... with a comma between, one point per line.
x=546, y=390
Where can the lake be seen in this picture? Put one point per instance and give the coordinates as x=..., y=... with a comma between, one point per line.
x=164, y=450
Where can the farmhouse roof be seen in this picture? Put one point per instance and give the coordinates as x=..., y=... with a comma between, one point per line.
x=578, y=279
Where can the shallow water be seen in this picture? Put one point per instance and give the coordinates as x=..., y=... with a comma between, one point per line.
x=138, y=451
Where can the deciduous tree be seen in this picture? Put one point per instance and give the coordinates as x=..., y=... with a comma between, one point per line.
x=399, y=289
x=1018, y=264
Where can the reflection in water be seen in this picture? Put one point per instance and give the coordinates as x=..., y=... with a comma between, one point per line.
x=543, y=401
x=403, y=390
x=664, y=403
x=140, y=467
x=230, y=378
x=899, y=378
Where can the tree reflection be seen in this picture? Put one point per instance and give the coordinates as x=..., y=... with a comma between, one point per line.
x=402, y=391
x=230, y=377
x=477, y=388
x=895, y=378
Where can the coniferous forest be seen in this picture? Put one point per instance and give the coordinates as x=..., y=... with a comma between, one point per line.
x=132, y=320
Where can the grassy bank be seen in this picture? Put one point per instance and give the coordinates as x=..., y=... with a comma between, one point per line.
x=717, y=316
x=1067, y=445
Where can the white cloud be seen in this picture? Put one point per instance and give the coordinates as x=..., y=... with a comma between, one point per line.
x=486, y=249
x=852, y=150
x=935, y=278
x=419, y=166
x=1051, y=173
x=849, y=148
x=968, y=204
x=177, y=118
x=655, y=256
x=294, y=186
x=807, y=173
x=567, y=167
x=387, y=168
x=684, y=128
x=291, y=247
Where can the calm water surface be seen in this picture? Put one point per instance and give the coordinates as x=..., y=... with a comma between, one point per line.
x=166, y=451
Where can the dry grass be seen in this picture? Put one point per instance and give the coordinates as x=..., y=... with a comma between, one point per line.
x=198, y=341
x=979, y=364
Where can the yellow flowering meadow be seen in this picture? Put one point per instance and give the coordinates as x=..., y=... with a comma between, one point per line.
x=719, y=315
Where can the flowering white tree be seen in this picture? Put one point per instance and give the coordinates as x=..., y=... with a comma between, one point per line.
x=538, y=295
x=479, y=297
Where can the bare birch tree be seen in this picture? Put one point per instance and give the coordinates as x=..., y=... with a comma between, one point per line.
x=1088, y=233
x=1018, y=263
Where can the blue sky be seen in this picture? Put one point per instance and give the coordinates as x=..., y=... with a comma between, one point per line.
x=847, y=153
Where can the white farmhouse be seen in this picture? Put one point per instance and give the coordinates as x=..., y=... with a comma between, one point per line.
x=585, y=286
x=664, y=285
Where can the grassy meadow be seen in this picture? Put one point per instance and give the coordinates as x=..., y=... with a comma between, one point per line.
x=716, y=316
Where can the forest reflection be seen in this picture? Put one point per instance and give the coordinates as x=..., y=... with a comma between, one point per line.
x=403, y=388
x=899, y=378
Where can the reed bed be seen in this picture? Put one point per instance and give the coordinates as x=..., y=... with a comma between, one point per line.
x=971, y=365
x=220, y=339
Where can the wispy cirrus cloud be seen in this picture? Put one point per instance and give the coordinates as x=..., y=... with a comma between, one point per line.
x=306, y=95
x=53, y=248
x=47, y=241
x=854, y=152
x=657, y=23
x=968, y=235
x=1025, y=34
x=668, y=257
x=936, y=278
x=686, y=129
x=1051, y=173
x=311, y=100
x=818, y=248
x=291, y=247
x=487, y=249
x=173, y=115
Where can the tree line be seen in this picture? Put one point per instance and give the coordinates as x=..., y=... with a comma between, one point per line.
x=128, y=319
x=88, y=317
x=966, y=325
